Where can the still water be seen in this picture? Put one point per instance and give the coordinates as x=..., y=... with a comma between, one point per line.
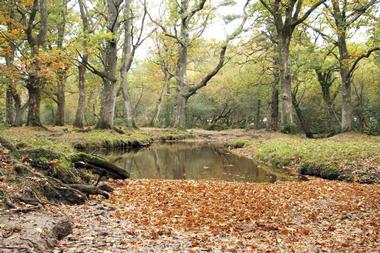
x=192, y=161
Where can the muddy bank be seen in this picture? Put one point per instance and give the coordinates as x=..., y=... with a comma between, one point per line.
x=37, y=231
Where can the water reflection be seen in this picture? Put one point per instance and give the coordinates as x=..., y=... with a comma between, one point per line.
x=192, y=161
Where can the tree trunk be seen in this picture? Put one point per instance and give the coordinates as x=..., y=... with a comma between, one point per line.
x=34, y=83
x=81, y=109
x=34, y=102
x=285, y=79
x=60, y=116
x=272, y=124
x=127, y=59
x=18, y=108
x=181, y=71
x=79, y=116
x=10, y=108
x=304, y=124
x=107, y=110
x=180, y=112
x=161, y=99
x=346, y=84
x=326, y=80
x=344, y=68
x=347, y=107
x=258, y=114
x=128, y=112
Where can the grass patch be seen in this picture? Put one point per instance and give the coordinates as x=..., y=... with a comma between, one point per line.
x=64, y=140
x=237, y=143
x=332, y=158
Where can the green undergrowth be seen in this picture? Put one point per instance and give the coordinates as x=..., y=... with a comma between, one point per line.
x=50, y=151
x=332, y=158
x=237, y=143
x=66, y=141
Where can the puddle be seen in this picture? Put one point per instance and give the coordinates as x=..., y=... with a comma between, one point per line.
x=193, y=161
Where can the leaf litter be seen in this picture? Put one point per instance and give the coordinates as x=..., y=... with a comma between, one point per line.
x=218, y=216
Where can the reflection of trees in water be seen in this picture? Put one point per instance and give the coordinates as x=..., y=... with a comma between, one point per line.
x=156, y=161
x=179, y=165
x=181, y=161
x=240, y=164
x=128, y=164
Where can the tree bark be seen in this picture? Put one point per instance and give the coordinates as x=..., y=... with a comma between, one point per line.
x=181, y=70
x=304, y=124
x=11, y=102
x=346, y=84
x=180, y=112
x=160, y=101
x=286, y=81
x=60, y=115
x=10, y=108
x=127, y=58
x=35, y=81
x=18, y=108
x=272, y=124
x=107, y=110
x=326, y=80
x=81, y=109
x=258, y=114
x=34, y=91
x=340, y=21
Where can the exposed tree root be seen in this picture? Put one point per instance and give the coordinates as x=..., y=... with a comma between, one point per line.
x=99, y=166
x=90, y=190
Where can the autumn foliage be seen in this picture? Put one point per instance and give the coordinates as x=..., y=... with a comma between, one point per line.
x=189, y=216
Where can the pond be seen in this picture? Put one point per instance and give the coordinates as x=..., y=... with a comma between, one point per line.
x=194, y=161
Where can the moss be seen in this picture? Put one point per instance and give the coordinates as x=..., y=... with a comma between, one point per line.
x=52, y=164
x=237, y=143
x=323, y=171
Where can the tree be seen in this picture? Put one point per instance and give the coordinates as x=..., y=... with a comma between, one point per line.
x=341, y=17
x=129, y=50
x=165, y=57
x=110, y=63
x=185, y=16
x=81, y=108
x=109, y=59
x=36, y=69
x=345, y=15
x=286, y=17
x=63, y=67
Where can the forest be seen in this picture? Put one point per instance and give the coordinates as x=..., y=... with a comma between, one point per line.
x=150, y=115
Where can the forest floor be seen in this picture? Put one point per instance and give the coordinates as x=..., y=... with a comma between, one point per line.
x=217, y=216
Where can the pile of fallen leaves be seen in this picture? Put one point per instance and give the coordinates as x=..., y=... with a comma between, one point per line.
x=172, y=216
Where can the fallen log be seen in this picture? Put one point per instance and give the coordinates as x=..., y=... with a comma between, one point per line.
x=99, y=166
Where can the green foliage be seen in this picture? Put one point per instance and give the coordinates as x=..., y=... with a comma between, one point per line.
x=328, y=158
x=290, y=128
x=237, y=143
